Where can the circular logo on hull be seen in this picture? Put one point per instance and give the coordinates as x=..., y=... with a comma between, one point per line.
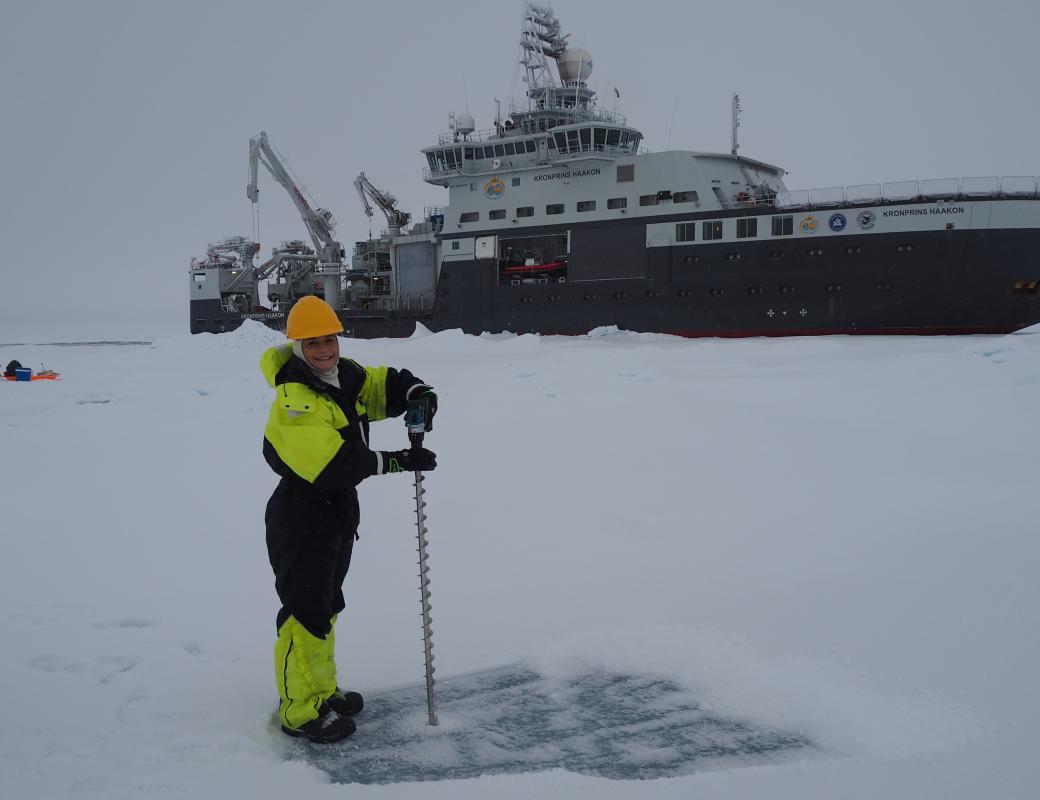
x=865, y=220
x=809, y=225
x=494, y=188
x=837, y=222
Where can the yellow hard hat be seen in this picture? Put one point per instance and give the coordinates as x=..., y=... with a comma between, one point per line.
x=312, y=317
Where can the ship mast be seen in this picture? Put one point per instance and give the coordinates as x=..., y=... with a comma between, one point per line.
x=540, y=40
x=736, y=122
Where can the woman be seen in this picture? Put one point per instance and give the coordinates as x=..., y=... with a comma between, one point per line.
x=317, y=441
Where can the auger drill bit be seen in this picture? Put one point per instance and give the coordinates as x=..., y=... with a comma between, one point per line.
x=424, y=589
x=416, y=420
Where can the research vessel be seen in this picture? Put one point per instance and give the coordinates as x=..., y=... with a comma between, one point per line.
x=559, y=221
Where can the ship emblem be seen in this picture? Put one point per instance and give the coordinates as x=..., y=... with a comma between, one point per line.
x=865, y=220
x=494, y=188
x=809, y=224
x=837, y=222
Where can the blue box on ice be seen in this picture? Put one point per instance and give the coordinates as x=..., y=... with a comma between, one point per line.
x=23, y=374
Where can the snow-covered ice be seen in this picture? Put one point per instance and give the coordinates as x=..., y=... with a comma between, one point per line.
x=832, y=540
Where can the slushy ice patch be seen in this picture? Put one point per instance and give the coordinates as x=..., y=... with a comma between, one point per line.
x=605, y=724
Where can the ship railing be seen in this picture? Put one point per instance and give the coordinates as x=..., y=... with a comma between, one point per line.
x=507, y=132
x=504, y=133
x=454, y=137
x=486, y=167
x=586, y=113
x=992, y=186
x=605, y=149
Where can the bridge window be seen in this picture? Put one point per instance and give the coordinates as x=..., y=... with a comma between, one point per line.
x=783, y=226
x=500, y=151
x=712, y=229
x=586, y=138
x=599, y=137
x=747, y=227
x=613, y=137
x=468, y=153
x=510, y=149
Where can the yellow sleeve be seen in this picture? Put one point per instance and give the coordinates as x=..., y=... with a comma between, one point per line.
x=373, y=393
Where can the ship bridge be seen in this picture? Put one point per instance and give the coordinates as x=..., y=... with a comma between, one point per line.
x=560, y=122
x=525, y=146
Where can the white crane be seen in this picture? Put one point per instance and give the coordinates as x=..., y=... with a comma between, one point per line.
x=319, y=222
x=395, y=218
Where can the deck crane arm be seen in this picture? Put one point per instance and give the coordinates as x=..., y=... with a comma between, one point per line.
x=395, y=218
x=361, y=193
x=319, y=222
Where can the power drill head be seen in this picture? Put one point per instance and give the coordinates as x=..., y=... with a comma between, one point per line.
x=416, y=420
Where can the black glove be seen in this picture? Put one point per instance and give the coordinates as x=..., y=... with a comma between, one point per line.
x=418, y=459
x=423, y=391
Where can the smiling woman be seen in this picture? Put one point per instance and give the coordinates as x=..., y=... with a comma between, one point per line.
x=322, y=352
x=316, y=440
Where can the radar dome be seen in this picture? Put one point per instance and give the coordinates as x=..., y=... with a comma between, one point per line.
x=575, y=65
x=464, y=123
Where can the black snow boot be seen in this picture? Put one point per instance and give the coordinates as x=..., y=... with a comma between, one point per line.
x=329, y=727
x=346, y=703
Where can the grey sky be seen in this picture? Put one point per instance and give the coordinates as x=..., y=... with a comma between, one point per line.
x=126, y=124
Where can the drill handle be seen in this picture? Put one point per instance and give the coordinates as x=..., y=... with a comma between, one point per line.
x=417, y=420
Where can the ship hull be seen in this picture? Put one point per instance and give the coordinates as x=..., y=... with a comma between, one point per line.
x=960, y=281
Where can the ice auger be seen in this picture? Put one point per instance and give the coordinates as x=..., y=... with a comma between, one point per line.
x=417, y=420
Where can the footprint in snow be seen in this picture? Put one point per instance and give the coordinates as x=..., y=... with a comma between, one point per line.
x=115, y=666
x=208, y=653
x=95, y=398
x=56, y=663
x=128, y=622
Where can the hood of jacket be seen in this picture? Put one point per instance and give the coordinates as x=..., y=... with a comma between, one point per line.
x=272, y=361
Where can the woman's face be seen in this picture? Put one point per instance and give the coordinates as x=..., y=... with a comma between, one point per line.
x=321, y=352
